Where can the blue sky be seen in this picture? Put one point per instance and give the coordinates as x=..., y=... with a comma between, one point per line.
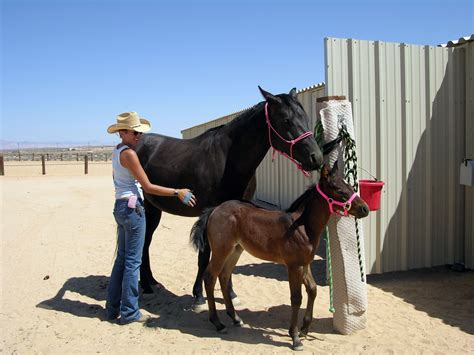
x=69, y=67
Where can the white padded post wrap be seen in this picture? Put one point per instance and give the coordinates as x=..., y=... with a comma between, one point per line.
x=350, y=292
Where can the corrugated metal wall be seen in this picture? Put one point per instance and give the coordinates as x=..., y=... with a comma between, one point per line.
x=278, y=182
x=469, y=191
x=409, y=115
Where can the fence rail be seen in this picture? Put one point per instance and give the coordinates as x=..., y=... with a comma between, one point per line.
x=43, y=158
x=57, y=156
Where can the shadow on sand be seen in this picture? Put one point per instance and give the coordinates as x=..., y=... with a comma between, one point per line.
x=170, y=311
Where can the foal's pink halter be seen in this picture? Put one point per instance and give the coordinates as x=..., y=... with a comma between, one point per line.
x=292, y=142
x=345, y=205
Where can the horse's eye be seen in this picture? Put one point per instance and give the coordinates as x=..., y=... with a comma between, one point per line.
x=287, y=121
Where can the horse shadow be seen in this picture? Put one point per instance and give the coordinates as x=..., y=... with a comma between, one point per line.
x=171, y=311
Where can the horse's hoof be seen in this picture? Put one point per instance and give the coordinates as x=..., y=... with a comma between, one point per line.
x=199, y=305
x=147, y=290
x=223, y=330
x=239, y=323
x=236, y=301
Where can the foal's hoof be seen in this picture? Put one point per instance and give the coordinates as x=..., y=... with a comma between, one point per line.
x=297, y=347
x=199, y=305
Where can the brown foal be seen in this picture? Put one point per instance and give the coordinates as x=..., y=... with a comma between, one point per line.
x=286, y=237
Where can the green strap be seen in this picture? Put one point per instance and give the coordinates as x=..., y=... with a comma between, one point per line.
x=328, y=256
x=350, y=174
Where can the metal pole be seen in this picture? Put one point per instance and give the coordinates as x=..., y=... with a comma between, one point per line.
x=43, y=164
x=86, y=164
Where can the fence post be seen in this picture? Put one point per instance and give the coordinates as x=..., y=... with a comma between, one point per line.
x=86, y=164
x=43, y=164
x=77, y=156
x=2, y=167
x=47, y=156
x=61, y=157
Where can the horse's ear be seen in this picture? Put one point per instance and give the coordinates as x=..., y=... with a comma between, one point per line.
x=292, y=93
x=334, y=169
x=269, y=97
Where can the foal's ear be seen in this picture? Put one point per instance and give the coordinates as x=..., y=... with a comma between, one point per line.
x=292, y=93
x=324, y=172
x=334, y=169
x=269, y=97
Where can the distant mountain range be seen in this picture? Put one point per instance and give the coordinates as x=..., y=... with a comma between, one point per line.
x=8, y=145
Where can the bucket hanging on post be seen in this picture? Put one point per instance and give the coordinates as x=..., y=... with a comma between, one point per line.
x=370, y=192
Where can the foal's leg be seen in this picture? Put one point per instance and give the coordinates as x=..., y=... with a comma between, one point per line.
x=224, y=278
x=295, y=276
x=310, y=285
x=210, y=277
x=153, y=217
x=203, y=261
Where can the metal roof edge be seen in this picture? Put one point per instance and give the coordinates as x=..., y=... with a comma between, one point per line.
x=317, y=86
x=458, y=42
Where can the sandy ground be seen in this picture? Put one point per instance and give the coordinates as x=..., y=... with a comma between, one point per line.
x=58, y=240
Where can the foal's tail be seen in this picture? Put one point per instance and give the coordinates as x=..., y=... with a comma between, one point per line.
x=198, y=237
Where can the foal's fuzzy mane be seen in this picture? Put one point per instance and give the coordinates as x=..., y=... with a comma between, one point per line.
x=302, y=200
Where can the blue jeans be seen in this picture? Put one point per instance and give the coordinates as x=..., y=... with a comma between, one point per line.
x=122, y=293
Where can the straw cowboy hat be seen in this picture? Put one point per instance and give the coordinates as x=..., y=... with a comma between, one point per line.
x=131, y=121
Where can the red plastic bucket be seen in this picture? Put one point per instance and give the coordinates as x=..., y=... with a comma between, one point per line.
x=370, y=192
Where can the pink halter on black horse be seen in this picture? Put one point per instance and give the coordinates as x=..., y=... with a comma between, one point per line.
x=286, y=237
x=220, y=165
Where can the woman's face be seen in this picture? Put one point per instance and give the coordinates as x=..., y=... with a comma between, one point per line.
x=130, y=137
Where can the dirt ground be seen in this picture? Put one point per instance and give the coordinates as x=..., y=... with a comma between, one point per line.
x=58, y=242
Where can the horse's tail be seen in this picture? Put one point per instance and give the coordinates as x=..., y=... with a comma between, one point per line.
x=198, y=237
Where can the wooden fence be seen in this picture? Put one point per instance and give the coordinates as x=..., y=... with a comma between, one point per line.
x=46, y=158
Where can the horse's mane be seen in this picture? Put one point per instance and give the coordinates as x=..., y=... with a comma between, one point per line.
x=302, y=200
x=236, y=120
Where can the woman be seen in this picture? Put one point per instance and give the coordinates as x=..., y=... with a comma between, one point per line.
x=128, y=175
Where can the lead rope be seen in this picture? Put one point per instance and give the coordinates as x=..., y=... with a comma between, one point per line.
x=328, y=255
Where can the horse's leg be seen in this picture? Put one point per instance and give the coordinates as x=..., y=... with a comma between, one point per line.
x=224, y=281
x=295, y=276
x=248, y=195
x=310, y=285
x=153, y=217
x=203, y=261
x=250, y=189
x=210, y=277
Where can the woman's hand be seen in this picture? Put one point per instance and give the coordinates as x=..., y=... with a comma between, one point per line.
x=187, y=197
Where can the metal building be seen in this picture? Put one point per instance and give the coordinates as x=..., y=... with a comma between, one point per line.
x=413, y=110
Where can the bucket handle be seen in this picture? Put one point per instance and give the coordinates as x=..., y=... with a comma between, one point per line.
x=369, y=173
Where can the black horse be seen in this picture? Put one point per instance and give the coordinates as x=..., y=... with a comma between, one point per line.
x=220, y=164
